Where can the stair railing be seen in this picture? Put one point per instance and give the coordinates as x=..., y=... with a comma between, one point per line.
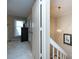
x=56, y=52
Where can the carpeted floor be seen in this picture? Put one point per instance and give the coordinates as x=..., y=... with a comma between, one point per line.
x=18, y=50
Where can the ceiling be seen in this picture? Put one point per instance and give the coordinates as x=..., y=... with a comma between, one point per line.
x=23, y=7
x=19, y=7
x=65, y=8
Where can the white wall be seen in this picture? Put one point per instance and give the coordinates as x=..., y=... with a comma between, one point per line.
x=30, y=33
x=35, y=28
x=65, y=24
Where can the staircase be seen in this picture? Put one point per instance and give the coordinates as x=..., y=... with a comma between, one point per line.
x=56, y=52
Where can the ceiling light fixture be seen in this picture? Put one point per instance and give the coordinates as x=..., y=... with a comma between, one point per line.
x=59, y=7
x=59, y=30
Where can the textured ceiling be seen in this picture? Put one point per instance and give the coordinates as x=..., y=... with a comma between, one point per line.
x=19, y=7
x=66, y=7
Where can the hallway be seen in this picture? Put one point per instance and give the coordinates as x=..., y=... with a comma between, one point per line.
x=18, y=50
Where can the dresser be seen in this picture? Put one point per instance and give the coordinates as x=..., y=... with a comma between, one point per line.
x=24, y=34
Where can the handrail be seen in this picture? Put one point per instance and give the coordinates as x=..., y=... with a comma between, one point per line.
x=52, y=42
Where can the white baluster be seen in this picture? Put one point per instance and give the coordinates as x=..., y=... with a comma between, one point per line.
x=57, y=54
x=53, y=53
x=63, y=56
x=60, y=55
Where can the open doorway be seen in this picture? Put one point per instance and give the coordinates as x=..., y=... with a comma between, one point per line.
x=16, y=48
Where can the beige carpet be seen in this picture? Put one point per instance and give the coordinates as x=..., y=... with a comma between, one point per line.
x=18, y=50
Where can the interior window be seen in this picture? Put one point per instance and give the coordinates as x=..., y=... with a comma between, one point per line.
x=18, y=25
